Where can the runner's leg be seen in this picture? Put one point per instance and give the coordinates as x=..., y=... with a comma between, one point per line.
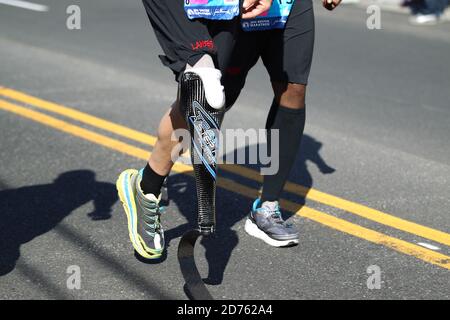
x=184, y=42
x=287, y=57
x=289, y=70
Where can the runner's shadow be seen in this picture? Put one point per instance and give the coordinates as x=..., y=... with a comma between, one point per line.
x=232, y=207
x=28, y=212
x=309, y=153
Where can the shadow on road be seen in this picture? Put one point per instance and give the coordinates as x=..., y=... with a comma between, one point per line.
x=309, y=152
x=233, y=208
x=31, y=211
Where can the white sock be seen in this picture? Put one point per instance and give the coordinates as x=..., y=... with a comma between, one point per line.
x=205, y=61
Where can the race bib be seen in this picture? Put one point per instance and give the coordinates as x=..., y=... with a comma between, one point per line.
x=211, y=9
x=275, y=18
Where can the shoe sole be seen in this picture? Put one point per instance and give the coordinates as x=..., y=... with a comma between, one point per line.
x=125, y=191
x=252, y=229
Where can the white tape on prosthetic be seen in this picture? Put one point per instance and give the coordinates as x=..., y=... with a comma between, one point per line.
x=210, y=76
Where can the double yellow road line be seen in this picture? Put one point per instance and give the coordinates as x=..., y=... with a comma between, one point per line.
x=322, y=218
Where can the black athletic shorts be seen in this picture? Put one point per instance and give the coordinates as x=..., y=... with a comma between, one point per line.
x=286, y=53
x=184, y=41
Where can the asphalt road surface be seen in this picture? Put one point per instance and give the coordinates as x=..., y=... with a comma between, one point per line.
x=79, y=106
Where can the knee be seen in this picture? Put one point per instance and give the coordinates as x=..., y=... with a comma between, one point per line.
x=291, y=95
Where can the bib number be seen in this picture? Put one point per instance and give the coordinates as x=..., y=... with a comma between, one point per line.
x=211, y=9
x=275, y=18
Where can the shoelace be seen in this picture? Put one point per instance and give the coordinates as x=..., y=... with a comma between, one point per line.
x=275, y=214
x=156, y=225
x=277, y=217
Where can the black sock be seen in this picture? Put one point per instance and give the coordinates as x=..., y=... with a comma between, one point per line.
x=151, y=181
x=290, y=123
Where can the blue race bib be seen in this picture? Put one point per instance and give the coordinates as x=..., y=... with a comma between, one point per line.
x=275, y=18
x=212, y=9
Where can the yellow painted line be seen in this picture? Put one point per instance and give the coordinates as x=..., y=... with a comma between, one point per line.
x=330, y=221
x=74, y=130
x=79, y=116
x=351, y=207
x=84, y=133
x=311, y=194
x=355, y=230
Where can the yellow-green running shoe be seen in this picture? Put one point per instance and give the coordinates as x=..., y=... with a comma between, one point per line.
x=143, y=214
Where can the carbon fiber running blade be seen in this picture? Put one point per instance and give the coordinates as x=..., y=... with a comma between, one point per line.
x=204, y=123
x=195, y=287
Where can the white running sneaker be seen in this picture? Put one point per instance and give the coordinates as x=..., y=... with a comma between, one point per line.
x=265, y=223
x=424, y=20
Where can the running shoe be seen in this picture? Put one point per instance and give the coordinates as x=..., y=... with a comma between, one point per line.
x=143, y=213
x=424, y=19
x=265, y=223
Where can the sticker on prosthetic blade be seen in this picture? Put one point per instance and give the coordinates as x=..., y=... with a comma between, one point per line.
x=205, y=140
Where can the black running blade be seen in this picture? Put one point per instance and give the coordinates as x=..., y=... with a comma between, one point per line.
x=195, y=287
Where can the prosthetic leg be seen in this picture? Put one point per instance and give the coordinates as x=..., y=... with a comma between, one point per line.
x=202, y=106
